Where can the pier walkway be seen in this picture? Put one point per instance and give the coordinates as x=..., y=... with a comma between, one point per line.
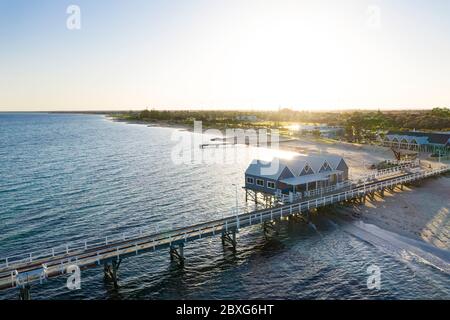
x=24, y=269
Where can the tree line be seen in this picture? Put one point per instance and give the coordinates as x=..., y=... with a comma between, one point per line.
x=358, y=125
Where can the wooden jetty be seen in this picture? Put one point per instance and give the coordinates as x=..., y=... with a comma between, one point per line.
x=33, y=268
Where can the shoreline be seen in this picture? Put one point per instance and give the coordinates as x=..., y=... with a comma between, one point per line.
x=419, y=212
x=416, y=212
x=179, y=126
x=156, y=124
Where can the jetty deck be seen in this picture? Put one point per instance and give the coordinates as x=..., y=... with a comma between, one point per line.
x=25, y=269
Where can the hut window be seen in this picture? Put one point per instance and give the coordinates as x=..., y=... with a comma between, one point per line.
x=270, y=185
x=260, y=182
x=250, y=180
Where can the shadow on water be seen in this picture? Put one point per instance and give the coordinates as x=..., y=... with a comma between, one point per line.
x=112, y=293
x=313, y=227
x=178, y=281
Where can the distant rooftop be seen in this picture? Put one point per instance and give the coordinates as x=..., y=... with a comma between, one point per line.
x=433, y=137
x=295, y=165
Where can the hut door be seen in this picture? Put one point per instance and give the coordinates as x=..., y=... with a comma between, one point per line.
x=333, y=179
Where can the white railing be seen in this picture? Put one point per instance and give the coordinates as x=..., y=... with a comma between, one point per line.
x=95, y=242
x=296, y=196
x=291, y=197
x=401, y=166
x=226, y=223
x=401, y=162
x=328, y=189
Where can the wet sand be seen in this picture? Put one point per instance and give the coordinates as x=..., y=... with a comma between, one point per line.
x=420, y=211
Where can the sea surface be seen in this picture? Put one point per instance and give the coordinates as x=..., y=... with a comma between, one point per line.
x=66, y=177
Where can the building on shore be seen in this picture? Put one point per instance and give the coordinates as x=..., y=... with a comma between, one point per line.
x=323, y=130
x=299, y=176
x=248, y=118
x=419, y=141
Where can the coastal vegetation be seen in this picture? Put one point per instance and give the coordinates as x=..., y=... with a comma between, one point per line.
x=359, y=126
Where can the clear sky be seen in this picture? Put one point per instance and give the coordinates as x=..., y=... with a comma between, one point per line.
x=250, y=54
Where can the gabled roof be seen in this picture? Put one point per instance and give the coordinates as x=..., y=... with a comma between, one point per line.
x=263, y=169
x=295, y=165
x=409, y=139
x=436, y=138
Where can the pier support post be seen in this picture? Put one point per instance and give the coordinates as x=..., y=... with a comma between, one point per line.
x=308, y=216
x=177, y=253
x=110, y=271
x=362, y=200
x=230, y=238
x=269, y=227
x=25, y=292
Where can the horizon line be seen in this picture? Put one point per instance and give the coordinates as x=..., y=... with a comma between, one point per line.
x=318, y=110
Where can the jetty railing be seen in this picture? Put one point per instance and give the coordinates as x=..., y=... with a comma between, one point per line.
x=93, y=242
x=111, y=239
x=51, y=262
x=400, y=167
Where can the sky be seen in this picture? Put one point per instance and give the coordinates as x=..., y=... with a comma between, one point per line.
x=224, y=54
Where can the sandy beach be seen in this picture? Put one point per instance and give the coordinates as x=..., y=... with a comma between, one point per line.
x=160, y=124
x=358, y=157
x=419, y=212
